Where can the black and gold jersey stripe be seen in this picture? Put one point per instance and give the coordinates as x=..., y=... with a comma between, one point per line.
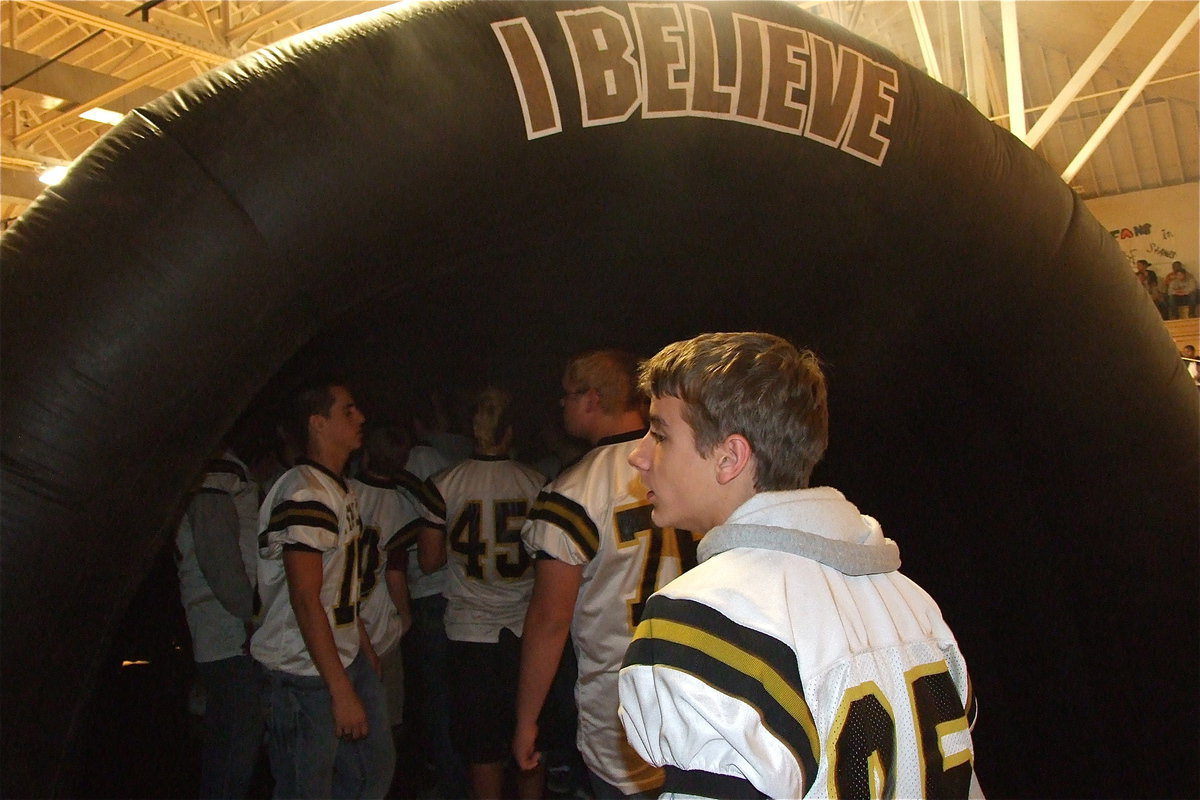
x=309, y=514
x=406, y=537
x=432, y=499
x=699, y=783
x=409, y=483
x=565, y=513
x=757, y=669
x=224, y=465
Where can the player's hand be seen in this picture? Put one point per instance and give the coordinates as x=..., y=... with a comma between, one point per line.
x=524, y=747
x=349, y=716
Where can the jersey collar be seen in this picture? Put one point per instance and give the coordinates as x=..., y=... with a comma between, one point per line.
x=378, y=483
x=628, y=436
x=310, y=463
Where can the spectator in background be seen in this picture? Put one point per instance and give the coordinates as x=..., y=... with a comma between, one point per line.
x=216, y=556
x=1181, y=290
x=438, y=422
x=1189, y=360
x=1149, y=280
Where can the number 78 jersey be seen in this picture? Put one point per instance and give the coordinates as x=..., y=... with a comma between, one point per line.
x=596, y=515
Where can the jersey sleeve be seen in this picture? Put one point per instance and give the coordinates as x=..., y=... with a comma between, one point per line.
x=719, y=705
x=560, y=528
x=431, y=505
x=303, y=518
x=405, y=524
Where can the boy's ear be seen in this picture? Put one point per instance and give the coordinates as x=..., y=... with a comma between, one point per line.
x=733, y=457
x=316, y=424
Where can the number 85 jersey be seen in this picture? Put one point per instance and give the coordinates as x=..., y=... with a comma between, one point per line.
x=595, y=514
x=796, y=661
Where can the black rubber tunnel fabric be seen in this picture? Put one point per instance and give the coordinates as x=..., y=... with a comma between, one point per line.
x=1005, y=400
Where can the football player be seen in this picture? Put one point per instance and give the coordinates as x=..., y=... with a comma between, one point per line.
x=795, y=660
x=479, y=506
x=598, y=557
x=327, y=703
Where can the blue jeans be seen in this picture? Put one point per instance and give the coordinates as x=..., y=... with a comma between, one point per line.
x=233, y=725
x=307, y=758
x=1177, y=301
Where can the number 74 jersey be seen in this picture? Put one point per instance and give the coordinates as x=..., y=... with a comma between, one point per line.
x=595, y=515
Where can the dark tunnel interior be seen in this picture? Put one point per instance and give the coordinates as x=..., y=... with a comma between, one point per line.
x=223, y=243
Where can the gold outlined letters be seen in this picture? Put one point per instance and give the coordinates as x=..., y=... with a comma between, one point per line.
x=663, y=61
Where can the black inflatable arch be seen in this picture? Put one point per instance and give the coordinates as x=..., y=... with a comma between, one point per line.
x=1004, y=398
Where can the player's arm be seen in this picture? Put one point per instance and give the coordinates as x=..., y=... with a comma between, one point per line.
x=547, y=625
x=431, y=549
x=215, y=531
x=396, y=576
x=305, y=572
x=366, y=648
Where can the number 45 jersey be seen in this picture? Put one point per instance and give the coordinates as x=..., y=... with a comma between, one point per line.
x=595, y=514
x=795, y=661
x=481, y=503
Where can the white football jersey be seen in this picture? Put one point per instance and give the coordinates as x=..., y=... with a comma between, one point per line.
x=481, y=504
x=217, y=634
x=308, y=507
x=595, y=514
x=387, y=515
x=423, y=462
x=763, y=672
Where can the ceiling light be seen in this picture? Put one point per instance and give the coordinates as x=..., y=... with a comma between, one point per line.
x=53, y=175
x=102, y=115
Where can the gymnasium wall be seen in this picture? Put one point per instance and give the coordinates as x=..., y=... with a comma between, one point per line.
x=1159, y=225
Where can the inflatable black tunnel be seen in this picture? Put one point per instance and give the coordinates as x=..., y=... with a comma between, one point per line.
x=502, y=183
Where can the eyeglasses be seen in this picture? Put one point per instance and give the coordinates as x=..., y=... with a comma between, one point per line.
x=562, y=401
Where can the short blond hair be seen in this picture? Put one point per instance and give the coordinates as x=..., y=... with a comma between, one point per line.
x=754, y=384
x=492, y=416
x=612, y=373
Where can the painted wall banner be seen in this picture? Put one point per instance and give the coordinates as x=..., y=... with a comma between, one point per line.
x=788, y=79
x=1128, y=233
x=1139, y=231
x=1158, y=225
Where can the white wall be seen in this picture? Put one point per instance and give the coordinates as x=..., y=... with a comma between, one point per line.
x=1159, y=225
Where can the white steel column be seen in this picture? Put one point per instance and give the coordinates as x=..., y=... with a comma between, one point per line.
x=1135, y=89
x=1012, y=68
x=1085, y=72
x=927, y=51
x=974, y=56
